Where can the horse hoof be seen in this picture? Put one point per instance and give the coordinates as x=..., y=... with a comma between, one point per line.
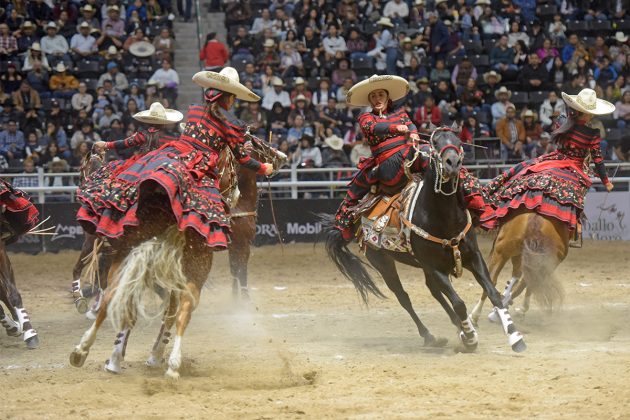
x=494, y=317
x=32, y=342
x=520, y=312
x=91, y=315
x=112, y=367
x=519, y=346
x=77, y=357
x=469, y=342
x=172, y=375
x=153, y=362
x=435, y=342
x=81, y=304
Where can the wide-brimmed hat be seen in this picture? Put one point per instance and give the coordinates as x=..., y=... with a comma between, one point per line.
x=300, y=97
x=84, y=24
x=142, y=49
x=299, y=81
x=418, y=3
x=501, y=90
x=158, y=115
x=483, y=2
x=60, y=67
x=87, y=8
x=385, y=21
x=334, y=142
x=587, y=101
x=621, y=37
x=277, y=81
x=27, y=24
x=36, y=46
x=269, y=43
x=51, y=24
x=396, y=86
x=226, y=80
x=530, y=113
x=113, y=8
x=112, y=50
x=57, y=161
x=490, y=74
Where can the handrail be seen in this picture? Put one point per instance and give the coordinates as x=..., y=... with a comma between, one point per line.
x=199, y=35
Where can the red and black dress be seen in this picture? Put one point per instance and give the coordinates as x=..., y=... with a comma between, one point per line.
x=184, y=170
x=20, y=215
x=552, y=185
x=389, y=149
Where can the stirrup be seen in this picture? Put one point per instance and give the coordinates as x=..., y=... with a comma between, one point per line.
x=576, y=241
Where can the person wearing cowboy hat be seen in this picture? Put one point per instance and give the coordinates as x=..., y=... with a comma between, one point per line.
x=33, y=55
x=62, y=84
x=499, y=108
x=27, y=36
x=396, y=10
x=159, y=121
x=387, y=43
x=333, y=155
x=555, y=184
x=83, y=44
x=88, y=15
x=278, y=94
x=185, y=170
x=388, y=132
x=533, y=130
x=55, y=45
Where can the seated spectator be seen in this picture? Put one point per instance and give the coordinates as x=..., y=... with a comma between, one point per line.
x=604, y=72
x=85, y=134
x=599, y=49
x=550, y=109
x=88, y=15
x=118, y=79
x=82, y=99
x=269, y=56
x=414, y=71
x=250, y=75
x=516, y=34
x=8, y=112
x=558, y=74
x=439, y=72
x=14, y=21
x=512, y=134
x=62, y=84
x=58, y=166
x=40, y=12
x=572, y=51
x=214, y=54
x=62, y=6
x=113, y=27
x=534, y=76
x=323, y=93
x=502, y=56
x=297, y=130
x=396, y=10
x=26, y=98
x=168, y=81
x=307, y=156
x=80, y=152
x=557, y=30
x=262, y=22
x=165, y=48
x=331, y=117
x=8, y=43
x=290, y=62
x=470, y=98
x=242, y=46
x=56, y=134
x=129, y=110
x=114, y=132
x=57, y=115
x=3, y=95
x=83, y=45
x=28, y=168
x=11, y=80
x=445, y=98
x=136, y=94
x=27, y=37
x=356, y=46
x=342, y=92
x=361, y=149
x=542, y=146
x=255, y=118
x=472, y=129
x=462, y=72
x=520, y=54
x=12, y=142
x=108, y=116
x=427, y=114
x=499, y=108
x=334, y=44
x=533, y=130
x=66, y=28
x=423, y=91
x=622, y=110
x=137, y=36
x=342, y=72
x=277, y=95
x=333, y=155
x=33, y=148
x=55, y=46
x=299, y=88
x=277, y=119
x=138, y=7
x=547, y=53
x=575, y=84
x=301, y=107
x=615, y=90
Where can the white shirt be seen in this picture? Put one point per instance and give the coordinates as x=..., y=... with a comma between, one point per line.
x=272, y=97
x=165, y=77
x=332, y=45
x=84, y=44
x=54, y=45
x=393, y=9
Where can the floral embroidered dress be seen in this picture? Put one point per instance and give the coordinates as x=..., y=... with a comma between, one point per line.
x=20, y=215
x=553, y=185
x=185, y=171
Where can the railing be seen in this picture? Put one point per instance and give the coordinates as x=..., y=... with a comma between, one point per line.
x=287, y=183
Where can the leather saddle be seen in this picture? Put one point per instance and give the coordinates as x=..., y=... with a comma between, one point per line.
x=380, y=213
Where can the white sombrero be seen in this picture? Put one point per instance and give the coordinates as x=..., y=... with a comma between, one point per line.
x=226, y=80
x=157, y=114
x=385, y=21
x=397, y=87
x=586, y=101
x=142, y=49
x=334, y=142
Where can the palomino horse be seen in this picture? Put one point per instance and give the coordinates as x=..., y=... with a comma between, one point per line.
x=438, y=211
x=536, y=245
x=158, y=258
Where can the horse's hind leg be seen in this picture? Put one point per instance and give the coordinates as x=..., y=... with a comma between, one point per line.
x=157, y=351
x=81, y=351
x=113, y=364
x=387, y=267
x=498, y=259
x=80, y=301
x=467, y=334
x=187, y=304
x=12, y=328
x=239, y=253
x=21, y=324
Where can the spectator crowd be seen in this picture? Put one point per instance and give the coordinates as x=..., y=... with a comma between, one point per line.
x=74, y=72
x=496, y=67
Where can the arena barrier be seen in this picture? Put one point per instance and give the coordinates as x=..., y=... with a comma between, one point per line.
x=297, y=222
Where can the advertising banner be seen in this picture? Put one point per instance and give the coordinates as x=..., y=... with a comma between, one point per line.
x=608, y=216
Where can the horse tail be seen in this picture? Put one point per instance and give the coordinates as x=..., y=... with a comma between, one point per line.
x=540, y=260
x=153, y=266
x=348, y=264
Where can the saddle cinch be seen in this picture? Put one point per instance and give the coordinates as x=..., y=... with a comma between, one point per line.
x=380, y=215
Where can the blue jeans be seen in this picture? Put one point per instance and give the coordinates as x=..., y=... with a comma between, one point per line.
x=390, y=59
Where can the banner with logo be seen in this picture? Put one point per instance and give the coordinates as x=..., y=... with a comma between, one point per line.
x=608, y=216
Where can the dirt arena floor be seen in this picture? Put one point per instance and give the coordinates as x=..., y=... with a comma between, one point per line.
x=307, y=348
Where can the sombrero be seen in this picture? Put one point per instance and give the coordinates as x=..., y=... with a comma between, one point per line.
x=586, y=101
x=334, y=142
x=226, y=80
x=490, y=74
x=397, y=87
x=501, y=90
x=142, y=49
x=385, y=21
x=157, y=114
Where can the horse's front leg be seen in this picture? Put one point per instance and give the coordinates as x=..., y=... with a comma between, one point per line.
x=20, y=322
x=478, y=267
x=114, y=363
x=188, y=302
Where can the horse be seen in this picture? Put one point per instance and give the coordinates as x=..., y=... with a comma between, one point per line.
x=18, y=321
x=437, y=211
x=536, y=245
x=161, y=258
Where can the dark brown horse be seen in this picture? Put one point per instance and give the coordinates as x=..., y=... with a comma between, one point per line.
x=158, y=257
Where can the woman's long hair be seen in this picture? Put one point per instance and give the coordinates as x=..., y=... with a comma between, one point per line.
x=214, y=108
x=558, y=134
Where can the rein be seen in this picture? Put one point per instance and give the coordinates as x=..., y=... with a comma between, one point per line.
x=440, y=179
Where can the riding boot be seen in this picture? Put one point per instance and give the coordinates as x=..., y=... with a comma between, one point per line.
x=344, y=219
x=576, y=237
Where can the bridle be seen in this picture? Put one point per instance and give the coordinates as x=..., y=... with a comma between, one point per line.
x=435, y=159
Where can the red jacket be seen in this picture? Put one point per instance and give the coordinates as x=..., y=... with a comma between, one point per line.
x=214, y=54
